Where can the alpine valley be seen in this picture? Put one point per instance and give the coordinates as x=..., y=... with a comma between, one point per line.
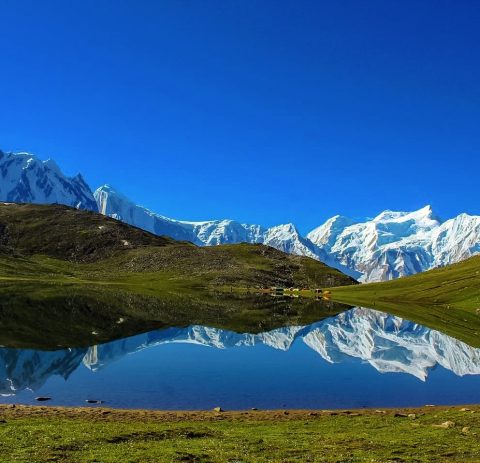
x=391, y=245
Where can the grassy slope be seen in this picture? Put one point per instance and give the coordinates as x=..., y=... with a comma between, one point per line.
x=45, y=434
x=446, y=299
x=57, y=243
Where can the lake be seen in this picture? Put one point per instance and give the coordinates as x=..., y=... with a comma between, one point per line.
x=353, y=357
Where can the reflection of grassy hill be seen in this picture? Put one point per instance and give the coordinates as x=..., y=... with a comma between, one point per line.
x=54, y=316
x=58, y=243
x=447, y=299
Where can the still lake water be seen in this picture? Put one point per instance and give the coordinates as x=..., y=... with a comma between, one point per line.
x=358, y=358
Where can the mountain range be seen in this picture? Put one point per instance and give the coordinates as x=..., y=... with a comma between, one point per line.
x=391, y=245
x=388, y=343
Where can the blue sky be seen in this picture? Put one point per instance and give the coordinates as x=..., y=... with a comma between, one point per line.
x=263, y=111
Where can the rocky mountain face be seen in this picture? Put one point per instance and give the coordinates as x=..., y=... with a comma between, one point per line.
x=26, y=179
x=391, y=245
x=387, y=343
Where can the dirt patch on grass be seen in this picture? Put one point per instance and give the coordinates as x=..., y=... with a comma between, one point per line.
x=9, y=412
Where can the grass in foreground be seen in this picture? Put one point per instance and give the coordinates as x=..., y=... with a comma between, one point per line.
x=44, y=434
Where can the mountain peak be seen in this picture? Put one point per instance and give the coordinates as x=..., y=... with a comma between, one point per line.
x=326, y=234
x=424, y=214
x=427, y=212
x=27, y=179
x=287, y=228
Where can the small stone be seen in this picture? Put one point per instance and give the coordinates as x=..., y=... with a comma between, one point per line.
x=465, y=430
x=218, y=409
x=400, y=415
x=445, y=425
x=465, y=410
x=312, y=414
x=42, y=399
x=412, y=416
x=380, y=411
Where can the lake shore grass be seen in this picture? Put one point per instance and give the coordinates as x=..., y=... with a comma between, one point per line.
x=57, y=434
x=455, y=286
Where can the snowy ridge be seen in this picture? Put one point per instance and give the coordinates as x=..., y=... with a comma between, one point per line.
x=208, y=233
x=392, y=245
x=396, y=244
x=285, y=237
x=26, y=179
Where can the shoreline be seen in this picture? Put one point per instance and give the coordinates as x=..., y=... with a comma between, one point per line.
x=142, y=415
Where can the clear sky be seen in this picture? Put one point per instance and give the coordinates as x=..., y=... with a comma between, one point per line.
x=262, y=111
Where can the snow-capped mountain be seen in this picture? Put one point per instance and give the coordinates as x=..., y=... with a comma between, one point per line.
x=391, y=245
x=396, y=244
x=388, y=343
x=26, y=179
x=208, y=233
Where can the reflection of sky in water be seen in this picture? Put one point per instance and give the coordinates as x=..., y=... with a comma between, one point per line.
x=178, y=375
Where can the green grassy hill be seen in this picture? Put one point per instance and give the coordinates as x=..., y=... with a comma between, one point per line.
x=56, y=243
x=447, y=299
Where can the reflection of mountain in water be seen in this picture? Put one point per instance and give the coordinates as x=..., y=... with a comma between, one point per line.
x=25, y=368
x=388, y=343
